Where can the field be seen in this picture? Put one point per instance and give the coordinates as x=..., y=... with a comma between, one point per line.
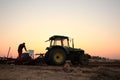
x=66, y=72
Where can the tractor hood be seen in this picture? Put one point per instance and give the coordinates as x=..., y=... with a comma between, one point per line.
x=76, y=49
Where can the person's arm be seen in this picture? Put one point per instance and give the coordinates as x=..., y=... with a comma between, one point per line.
x=25, y=48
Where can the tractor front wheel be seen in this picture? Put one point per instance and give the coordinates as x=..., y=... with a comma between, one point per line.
x=83, y=60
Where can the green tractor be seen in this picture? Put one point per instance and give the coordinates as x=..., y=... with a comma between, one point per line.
x=59, y=51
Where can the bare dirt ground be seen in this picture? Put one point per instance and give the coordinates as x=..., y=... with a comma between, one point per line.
x=29, y=72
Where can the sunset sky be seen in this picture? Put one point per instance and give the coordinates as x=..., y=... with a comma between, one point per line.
x=94, y=25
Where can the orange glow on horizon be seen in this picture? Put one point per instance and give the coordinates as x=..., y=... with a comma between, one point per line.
x=94, y=25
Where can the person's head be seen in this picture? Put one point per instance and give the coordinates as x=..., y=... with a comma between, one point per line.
x=23, y=43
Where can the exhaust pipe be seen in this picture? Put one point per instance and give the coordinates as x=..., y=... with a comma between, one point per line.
x=73, y=43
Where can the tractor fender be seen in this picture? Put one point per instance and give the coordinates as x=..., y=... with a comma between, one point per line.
x=53, y=47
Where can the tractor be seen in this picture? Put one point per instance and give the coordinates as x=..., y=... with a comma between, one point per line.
x=60, y=50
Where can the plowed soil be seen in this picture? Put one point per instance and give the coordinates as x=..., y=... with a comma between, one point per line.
x=66, y=72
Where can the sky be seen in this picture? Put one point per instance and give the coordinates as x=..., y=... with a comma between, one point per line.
x=94, y=25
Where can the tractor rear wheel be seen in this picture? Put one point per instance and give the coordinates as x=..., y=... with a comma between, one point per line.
x=57, y=56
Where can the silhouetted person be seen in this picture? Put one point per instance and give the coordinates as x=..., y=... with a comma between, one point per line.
x=20, y=48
